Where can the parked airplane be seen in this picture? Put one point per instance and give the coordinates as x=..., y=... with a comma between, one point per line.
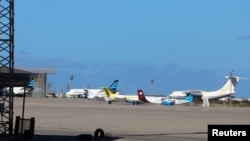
x=189, y=98
x=75, y=93
x=231, y=98
x=90, y=93
x=227, y=89
x=110, y=97
x=150, y=99
x=98, y=93
x=164, y=100
x=19, y=91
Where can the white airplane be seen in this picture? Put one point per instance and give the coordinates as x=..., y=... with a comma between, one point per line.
x=110, y=97
x=166, y=101
x=90, y=93
x=17, y=91
x=75, y=93
x=93, y=93
x=228, y=98
x=99, y=93
x=20, y=91
x=226, y=90
x=150, y=99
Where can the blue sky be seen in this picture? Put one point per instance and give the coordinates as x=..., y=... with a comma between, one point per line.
x=180, y=44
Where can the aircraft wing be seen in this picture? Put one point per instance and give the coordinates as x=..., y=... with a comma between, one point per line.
x=194, y=92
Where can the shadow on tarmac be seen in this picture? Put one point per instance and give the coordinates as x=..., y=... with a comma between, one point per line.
x=168, y=134
x=86, y=137
x=81, y=137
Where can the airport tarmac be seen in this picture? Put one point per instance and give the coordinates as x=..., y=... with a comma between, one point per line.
x=65, y=119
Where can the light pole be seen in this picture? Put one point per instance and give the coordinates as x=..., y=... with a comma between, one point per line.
x=70, y=82
x=152, y=86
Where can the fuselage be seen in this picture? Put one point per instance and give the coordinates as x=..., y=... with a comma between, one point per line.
x=17, y=90
x=94, y=93
x=75, y=93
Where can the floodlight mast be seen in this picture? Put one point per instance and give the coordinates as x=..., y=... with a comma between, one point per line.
x=7, y=61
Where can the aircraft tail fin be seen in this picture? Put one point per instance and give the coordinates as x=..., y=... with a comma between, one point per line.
x=106, y=92
x=113, y=86
x=31, y=84
x=230, y=84
x=141, y=96
x=109, y=95
x=189, y=98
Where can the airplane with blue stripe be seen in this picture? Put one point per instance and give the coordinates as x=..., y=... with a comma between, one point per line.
x=110, y=97
x=189, y=98
x=163, y=100
x=20, y=91
x=99, y=93
x=91, y=93
x=227, y=90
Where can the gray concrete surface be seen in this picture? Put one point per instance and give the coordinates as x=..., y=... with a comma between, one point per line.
x=65, y=119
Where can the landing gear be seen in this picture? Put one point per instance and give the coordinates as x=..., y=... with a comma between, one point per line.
x=134, y=103
x=109, y=102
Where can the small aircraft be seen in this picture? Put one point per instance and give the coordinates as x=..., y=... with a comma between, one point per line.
x=163, y=100
x=90, y=93
x=228, y=89
x=110, y=97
